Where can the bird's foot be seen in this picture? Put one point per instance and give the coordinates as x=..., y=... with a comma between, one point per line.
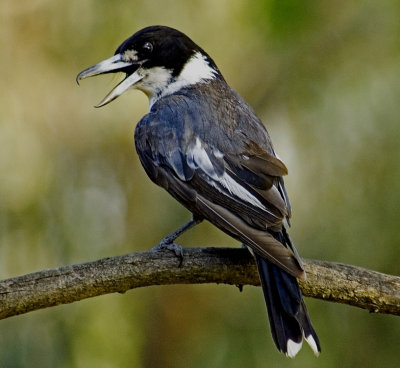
x=170, y=245
x=169, y=241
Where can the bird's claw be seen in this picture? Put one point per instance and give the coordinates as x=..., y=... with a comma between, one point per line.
x=176, y=248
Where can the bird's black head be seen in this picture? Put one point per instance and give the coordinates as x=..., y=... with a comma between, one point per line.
x=163, y=47
x=157, y=60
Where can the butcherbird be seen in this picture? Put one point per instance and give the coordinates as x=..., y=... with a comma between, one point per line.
x=205, y=145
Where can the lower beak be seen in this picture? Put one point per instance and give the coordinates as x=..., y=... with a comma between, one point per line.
x=113, y=65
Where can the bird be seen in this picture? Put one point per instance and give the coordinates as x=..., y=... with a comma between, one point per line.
x=206, y=146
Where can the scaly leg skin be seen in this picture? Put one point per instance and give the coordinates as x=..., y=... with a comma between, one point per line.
x=168, y=241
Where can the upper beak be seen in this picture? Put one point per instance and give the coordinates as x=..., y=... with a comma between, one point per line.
x=113, y=65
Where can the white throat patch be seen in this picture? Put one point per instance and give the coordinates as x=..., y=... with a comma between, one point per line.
x=154, y=82
x=158, y=83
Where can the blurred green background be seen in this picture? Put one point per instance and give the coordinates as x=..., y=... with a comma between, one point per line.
x=324, y=76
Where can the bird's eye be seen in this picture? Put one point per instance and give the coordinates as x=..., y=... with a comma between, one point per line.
x=148, y=47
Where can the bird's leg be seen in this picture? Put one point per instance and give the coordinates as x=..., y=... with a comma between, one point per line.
x=168, y=241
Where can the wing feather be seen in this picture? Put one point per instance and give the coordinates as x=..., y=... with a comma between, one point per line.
x=262, y=242
x=239, y=193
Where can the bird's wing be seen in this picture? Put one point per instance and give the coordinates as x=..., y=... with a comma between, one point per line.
x=261, y=174
x=236, y=192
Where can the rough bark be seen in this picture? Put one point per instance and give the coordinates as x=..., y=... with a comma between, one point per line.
x=335, y=282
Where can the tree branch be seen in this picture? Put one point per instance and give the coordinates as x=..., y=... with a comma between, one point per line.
x=336, y=282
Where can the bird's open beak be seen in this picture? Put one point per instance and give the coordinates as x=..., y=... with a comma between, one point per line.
x=113, y=65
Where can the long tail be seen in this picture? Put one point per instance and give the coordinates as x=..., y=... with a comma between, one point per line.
x=288, y=316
